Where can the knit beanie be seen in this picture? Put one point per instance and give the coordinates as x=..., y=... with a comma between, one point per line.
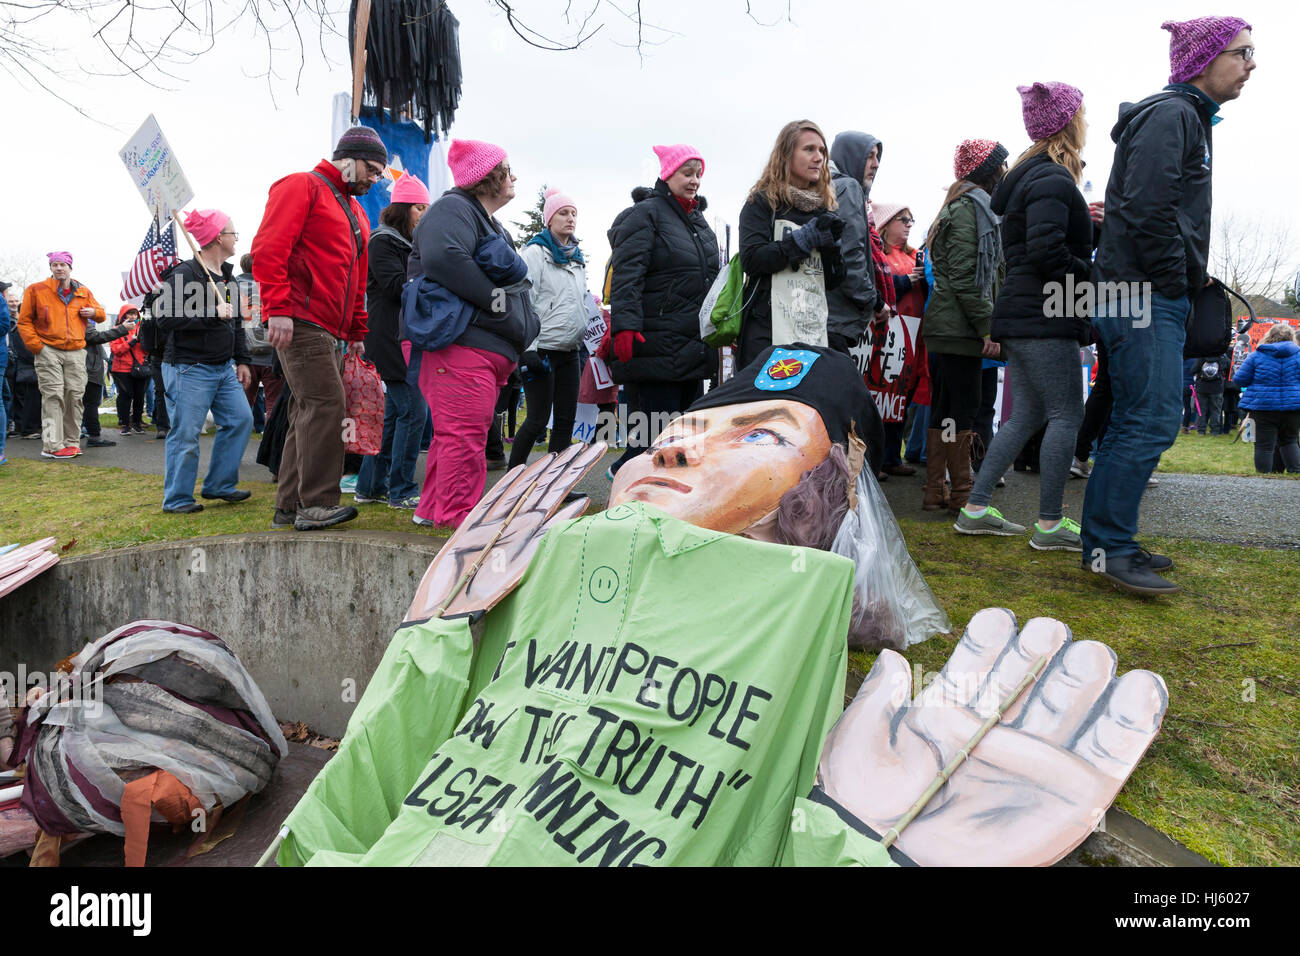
x=410, y=189
x=555, y=201
x=470, y=160
x=205, y=225
x=59, y=257
x=361, y=142
x=673, y=158
x=1194, y=43
x=976, y=158
x=1048, y=107
x=882, y=212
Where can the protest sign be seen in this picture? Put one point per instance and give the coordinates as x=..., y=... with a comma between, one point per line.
x=154, y=169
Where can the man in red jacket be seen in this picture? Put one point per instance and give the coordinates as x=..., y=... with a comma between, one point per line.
x=309, y=261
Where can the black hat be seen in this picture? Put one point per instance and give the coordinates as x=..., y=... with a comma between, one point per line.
x=821, y=378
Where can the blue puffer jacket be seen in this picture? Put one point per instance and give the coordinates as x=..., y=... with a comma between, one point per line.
x=1271, y=377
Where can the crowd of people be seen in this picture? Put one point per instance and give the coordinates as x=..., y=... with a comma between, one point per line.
x=824, y=264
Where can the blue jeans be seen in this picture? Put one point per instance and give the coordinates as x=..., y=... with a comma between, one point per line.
x=1146, y=377
x=191, y=391
x=4, y=418
x=916, y=440
x=392, y=471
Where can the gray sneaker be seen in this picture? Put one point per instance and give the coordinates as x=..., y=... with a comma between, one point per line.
x=406, y=504
x=283, y=519
x=1081, y=469
x=319, y=516
x=1064, y=538
x=990, y=522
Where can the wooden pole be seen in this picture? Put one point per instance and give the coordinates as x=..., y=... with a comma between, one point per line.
x=359, y=56
x=176, y=217
x=914, y=811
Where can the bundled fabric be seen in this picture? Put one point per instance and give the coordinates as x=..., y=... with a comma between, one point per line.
x=434, y=317
x=412, y=60
x=154, y=703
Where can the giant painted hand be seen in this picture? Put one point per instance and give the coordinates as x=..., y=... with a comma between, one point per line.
x=1035, y=786
x=543, y=486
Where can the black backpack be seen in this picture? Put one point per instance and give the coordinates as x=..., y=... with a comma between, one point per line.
x=1209, y=323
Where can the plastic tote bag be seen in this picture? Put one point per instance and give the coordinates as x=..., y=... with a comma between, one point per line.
x=720, y=315
x=363, y=430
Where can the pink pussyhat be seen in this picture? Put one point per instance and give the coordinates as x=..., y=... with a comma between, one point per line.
x=555, y=201
x=1194, y=43
x=470, y=160
x=673, y=158
x=59, y=257
x=206, y=224
x=410, y=189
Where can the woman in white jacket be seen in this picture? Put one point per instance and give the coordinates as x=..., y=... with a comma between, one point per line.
x=550, y=367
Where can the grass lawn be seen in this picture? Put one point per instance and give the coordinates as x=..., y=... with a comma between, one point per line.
x=1223, y=777
x=1212, y=455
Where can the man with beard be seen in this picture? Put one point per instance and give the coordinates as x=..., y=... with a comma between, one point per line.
x=309, y=260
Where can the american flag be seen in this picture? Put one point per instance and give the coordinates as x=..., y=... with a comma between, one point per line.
x=157, y=253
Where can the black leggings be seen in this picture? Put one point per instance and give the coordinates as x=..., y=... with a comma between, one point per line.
x=957, y=390
x=130, y=399
x=1276, y=430
x=556, y=389
x=653, y=402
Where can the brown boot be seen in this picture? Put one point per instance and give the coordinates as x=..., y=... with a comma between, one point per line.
x=936, y=466
x=959, y=470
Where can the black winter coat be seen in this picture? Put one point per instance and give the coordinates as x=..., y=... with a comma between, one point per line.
x=185, y=311
x=386, y=275
x=762, y=257
x=663, y=265
x=1046, y=237
x=1157, y=226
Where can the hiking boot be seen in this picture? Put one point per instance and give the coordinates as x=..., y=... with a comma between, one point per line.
x=1064, y=538
x=990, y=522
x=1081, y=469
x=283, y=519
x=1133, y=573
x=321, y=516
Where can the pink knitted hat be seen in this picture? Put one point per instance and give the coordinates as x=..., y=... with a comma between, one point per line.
x=882, y=212
x=59, y=257
x=206, y=224
x=1194, y=43
x=470, y=160
x=672, y=158
x=973, y=154
x=555, y=201
x=410, y=189
x=1048, y=107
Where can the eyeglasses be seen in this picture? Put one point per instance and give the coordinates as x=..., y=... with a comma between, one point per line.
x=233, y=235
x=1247, y=53
x=906, y=221
x=376, y=172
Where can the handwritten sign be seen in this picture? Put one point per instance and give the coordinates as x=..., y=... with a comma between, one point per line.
x=799, y=309
x=154, y=169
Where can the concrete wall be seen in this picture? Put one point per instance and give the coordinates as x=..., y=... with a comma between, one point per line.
x=304, y=612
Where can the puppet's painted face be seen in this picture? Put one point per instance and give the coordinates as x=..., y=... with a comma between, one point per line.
x=725, y=468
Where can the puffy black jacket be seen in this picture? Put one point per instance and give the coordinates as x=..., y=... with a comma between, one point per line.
x=762, y=257
x=663, y=263
x=1046, y=237
x=185, y=311
x=1157, y=225
x=386, y=274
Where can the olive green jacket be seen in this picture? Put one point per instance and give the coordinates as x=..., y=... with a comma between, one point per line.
x=957, y=317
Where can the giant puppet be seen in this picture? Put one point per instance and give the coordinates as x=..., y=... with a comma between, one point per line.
x=662, y=683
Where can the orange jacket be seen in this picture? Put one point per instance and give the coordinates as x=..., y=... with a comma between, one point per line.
x=44, y=320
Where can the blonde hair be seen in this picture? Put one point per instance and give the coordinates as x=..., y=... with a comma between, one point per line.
x=907, y=250
x=1062, y=147
x=1280, y=332
x=775, y=186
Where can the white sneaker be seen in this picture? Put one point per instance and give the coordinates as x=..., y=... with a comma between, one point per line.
x=1081, y=469
x=422, y=522
x=1152, y=481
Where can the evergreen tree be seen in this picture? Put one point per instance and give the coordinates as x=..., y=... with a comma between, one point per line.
x=533, y=224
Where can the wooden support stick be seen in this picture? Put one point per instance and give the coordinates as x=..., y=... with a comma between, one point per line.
x=359, y=56
x=176, y=216
x=914, y=811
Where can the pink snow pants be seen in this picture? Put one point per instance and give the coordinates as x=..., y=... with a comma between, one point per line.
x=461, y=385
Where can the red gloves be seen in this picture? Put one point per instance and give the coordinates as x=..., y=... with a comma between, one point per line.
x=623, y=344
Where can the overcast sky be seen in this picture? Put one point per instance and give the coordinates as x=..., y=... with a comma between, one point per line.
x=921, y=77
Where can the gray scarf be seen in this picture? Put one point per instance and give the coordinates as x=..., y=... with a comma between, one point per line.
x=989, y=238
x=806, y=200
